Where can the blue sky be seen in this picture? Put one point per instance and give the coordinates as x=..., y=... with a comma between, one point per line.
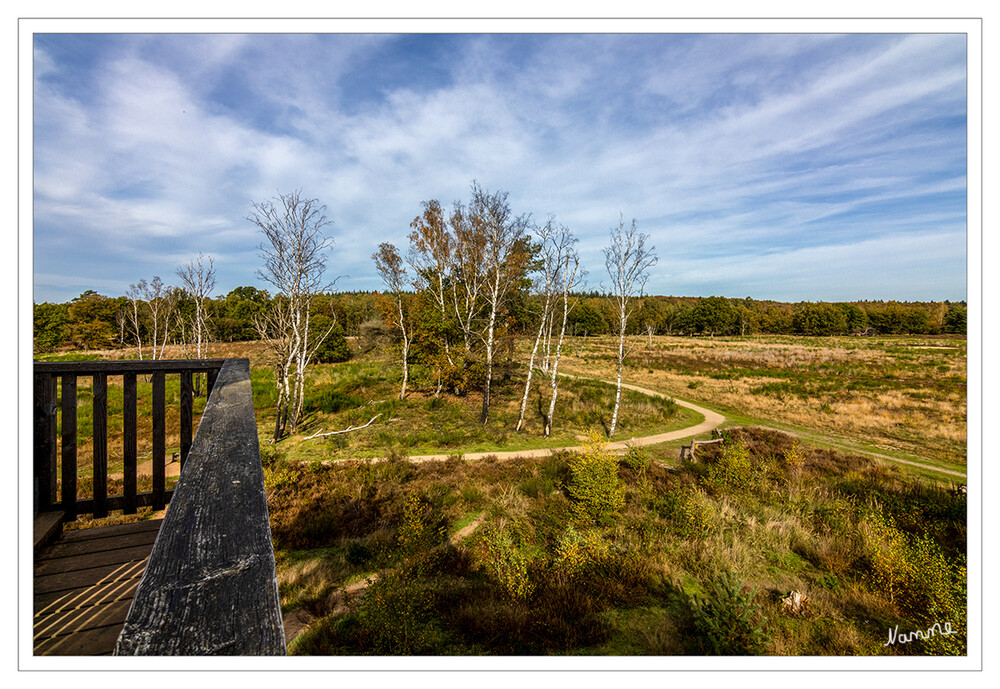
x=775, y=166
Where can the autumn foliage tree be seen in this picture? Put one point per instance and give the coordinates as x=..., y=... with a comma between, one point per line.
x=389, y=266
x=505, y=257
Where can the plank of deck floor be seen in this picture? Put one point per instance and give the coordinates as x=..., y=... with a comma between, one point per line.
x=88, y=547
x=89, y=642
x=67, y=581
x=81, y=619
x=84, y=585
x=46, y=526
x=121, y=585
x=82, y=563
x=72, y=535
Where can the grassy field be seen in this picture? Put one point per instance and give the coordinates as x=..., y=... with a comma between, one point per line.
x=768, y=545
x=900, y=396
x=351, y=394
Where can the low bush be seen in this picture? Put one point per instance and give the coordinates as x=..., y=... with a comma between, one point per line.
x=594, y=487
x=734, y=470
x=396, y=615
x=505, y=562
x=727, y=621
x=917, y=578
x=635, y=459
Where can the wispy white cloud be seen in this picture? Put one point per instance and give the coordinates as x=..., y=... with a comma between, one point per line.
x=744, y=149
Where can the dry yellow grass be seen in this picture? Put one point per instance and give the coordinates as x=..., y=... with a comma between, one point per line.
x=899, y=394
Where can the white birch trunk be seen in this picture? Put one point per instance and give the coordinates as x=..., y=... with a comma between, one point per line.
x=531, y=366
x=621, y=358
x=485, y=417
x=406, y=346
x=555, y=367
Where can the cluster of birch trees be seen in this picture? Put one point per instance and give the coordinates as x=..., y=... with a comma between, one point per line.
x=157, y=314
x=467, y=268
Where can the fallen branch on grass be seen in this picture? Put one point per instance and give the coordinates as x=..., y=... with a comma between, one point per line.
x=346, y=430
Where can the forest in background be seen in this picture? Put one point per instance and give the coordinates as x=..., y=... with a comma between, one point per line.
x=96, y=321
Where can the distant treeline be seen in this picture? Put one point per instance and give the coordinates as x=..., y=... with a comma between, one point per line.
x=95, y=321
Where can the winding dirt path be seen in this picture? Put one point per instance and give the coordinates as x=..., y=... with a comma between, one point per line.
x=712, y=420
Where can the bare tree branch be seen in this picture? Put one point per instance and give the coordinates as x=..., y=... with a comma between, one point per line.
x=198, y=278
x=346, y=430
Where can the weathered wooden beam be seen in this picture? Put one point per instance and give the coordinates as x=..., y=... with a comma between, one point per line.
x=86, y=368
x=210, y=586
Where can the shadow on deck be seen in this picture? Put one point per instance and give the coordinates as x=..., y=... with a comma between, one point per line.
x=84, y=586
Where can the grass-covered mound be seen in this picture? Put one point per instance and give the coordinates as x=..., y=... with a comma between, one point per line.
x=349, y=395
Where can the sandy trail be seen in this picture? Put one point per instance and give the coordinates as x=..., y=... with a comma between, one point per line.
x=712, y=420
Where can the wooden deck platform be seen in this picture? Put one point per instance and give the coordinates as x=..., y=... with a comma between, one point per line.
x=84, y=585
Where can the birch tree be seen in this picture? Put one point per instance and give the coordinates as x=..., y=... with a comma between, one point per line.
x=161, y=303
x=390, y=268
x=548, y=274
x=198, y=280
x=569, y=277
x=432, y=246
x=627, y=259
x=468, y=272
x=294, y=264
x=134, y=296
x=504, y=259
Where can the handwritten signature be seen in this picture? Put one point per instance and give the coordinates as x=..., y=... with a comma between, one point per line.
x=934, y=630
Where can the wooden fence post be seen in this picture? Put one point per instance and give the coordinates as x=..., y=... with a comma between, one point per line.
x=69, y=442
x=129, y=442
x=159, y=440
x=100, y=445
x=45, y=441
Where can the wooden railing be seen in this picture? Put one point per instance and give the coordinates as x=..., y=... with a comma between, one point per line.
x=210, y=586
x=51, y=378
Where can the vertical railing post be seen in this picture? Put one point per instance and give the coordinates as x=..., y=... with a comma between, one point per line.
x=129, y=468
x=159, y=440
x=100, y=445
x=211, y=377
x=45, y=441
x=186, y=415
x=69, y=469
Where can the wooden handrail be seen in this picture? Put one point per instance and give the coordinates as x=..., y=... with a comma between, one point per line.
x=86, y=368
x=210, y=587
x=49, y=448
